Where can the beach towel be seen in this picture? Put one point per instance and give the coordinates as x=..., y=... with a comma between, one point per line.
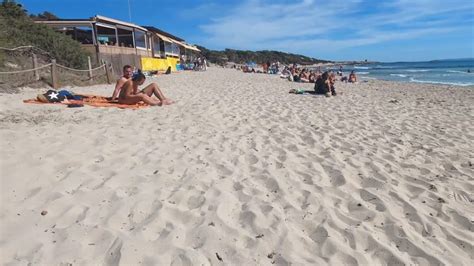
x=302, y=92
x=91, y=100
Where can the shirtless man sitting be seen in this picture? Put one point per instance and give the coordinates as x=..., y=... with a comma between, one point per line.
x=129, y=93
x=127, y=75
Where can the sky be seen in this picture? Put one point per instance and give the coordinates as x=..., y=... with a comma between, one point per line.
x=382, y=30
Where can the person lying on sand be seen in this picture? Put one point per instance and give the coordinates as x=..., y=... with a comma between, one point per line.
x=127, y=75
x=129, y=93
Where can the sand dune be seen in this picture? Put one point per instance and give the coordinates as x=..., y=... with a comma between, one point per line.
x=239, y=172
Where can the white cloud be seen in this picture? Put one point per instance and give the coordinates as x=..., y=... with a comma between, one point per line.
x=329, y=26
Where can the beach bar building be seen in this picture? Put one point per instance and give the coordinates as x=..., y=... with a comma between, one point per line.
x=121, y=43
x=166, y=45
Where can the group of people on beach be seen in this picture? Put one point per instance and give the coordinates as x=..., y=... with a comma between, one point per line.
x=305, y=75
x=324, y=82
x=126, y=89
x=196, y=63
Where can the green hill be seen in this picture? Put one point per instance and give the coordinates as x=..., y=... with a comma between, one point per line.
x=18, y=29
x=259, y=57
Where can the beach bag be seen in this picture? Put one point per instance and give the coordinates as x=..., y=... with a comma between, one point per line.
x=52, y=96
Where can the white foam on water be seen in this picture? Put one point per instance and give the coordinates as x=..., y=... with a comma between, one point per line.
x=457, y=71
x=417, y=70
x=363, y=73
x=442, y=82
x=399, y=75
x=360, y=67
x=384, y=67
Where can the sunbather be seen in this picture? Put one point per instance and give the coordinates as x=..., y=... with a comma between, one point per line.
x=285, y=73
x=352, y=77
x=127, y=75
x=325, y=84
x=304, y=76
x=130, y=94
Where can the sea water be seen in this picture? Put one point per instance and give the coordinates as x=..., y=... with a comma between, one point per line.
x=451, y=71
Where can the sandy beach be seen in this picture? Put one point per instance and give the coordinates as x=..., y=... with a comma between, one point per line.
x=239, y=172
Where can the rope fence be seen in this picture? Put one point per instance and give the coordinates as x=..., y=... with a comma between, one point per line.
x=80, y=70
x=52, y=73
x=27, y=70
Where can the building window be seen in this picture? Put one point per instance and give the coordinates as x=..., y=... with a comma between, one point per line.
x=175, y=48
x=168, y=48
x=150, y=40
x=157, y=50
x=125, y=38
x=106, y=35
x=80, y=34
x=140, y=39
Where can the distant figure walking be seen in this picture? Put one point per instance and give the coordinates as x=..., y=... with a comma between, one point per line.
x=204, y=64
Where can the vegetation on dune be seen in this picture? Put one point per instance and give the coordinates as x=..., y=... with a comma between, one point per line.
x=259, y=57
x=19, y=29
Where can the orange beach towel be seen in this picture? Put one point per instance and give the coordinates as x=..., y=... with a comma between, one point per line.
x=96, y=101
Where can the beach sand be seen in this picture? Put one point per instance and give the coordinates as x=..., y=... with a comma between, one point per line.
x=239, y=172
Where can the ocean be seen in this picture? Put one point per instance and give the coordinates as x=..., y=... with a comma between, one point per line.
x=450, y=71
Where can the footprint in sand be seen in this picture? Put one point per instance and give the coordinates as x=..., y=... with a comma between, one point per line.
x=144, y=212
x=224, y=170
x=340, y=258
x=372, y=182
x=320, y=235
x=166, y=231
x=247, y=219
x=307, y=179
x=272, y=185
x=113, y=254
x=181, y=260
x=252, y=159
x=196, y=201
x=293, y=148
x=372, y=199
x=282, y=157
x=462, y=197
x=337, y=178
x=266, y=209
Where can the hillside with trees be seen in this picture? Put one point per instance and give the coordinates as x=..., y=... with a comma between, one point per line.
x=259, y=57
x=18, y=29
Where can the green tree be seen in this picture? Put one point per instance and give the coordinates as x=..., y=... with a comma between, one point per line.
x=18, y=29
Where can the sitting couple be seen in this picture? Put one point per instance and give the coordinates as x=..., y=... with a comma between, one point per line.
x=127, y=90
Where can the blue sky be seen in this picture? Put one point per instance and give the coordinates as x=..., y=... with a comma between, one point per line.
x=391, y=30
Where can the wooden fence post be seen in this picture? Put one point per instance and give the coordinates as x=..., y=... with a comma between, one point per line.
x=107, y=73
x=35, y=65
x=54, y=74
x=90, y=67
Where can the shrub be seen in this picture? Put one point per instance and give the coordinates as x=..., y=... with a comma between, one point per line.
x=21, y=31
